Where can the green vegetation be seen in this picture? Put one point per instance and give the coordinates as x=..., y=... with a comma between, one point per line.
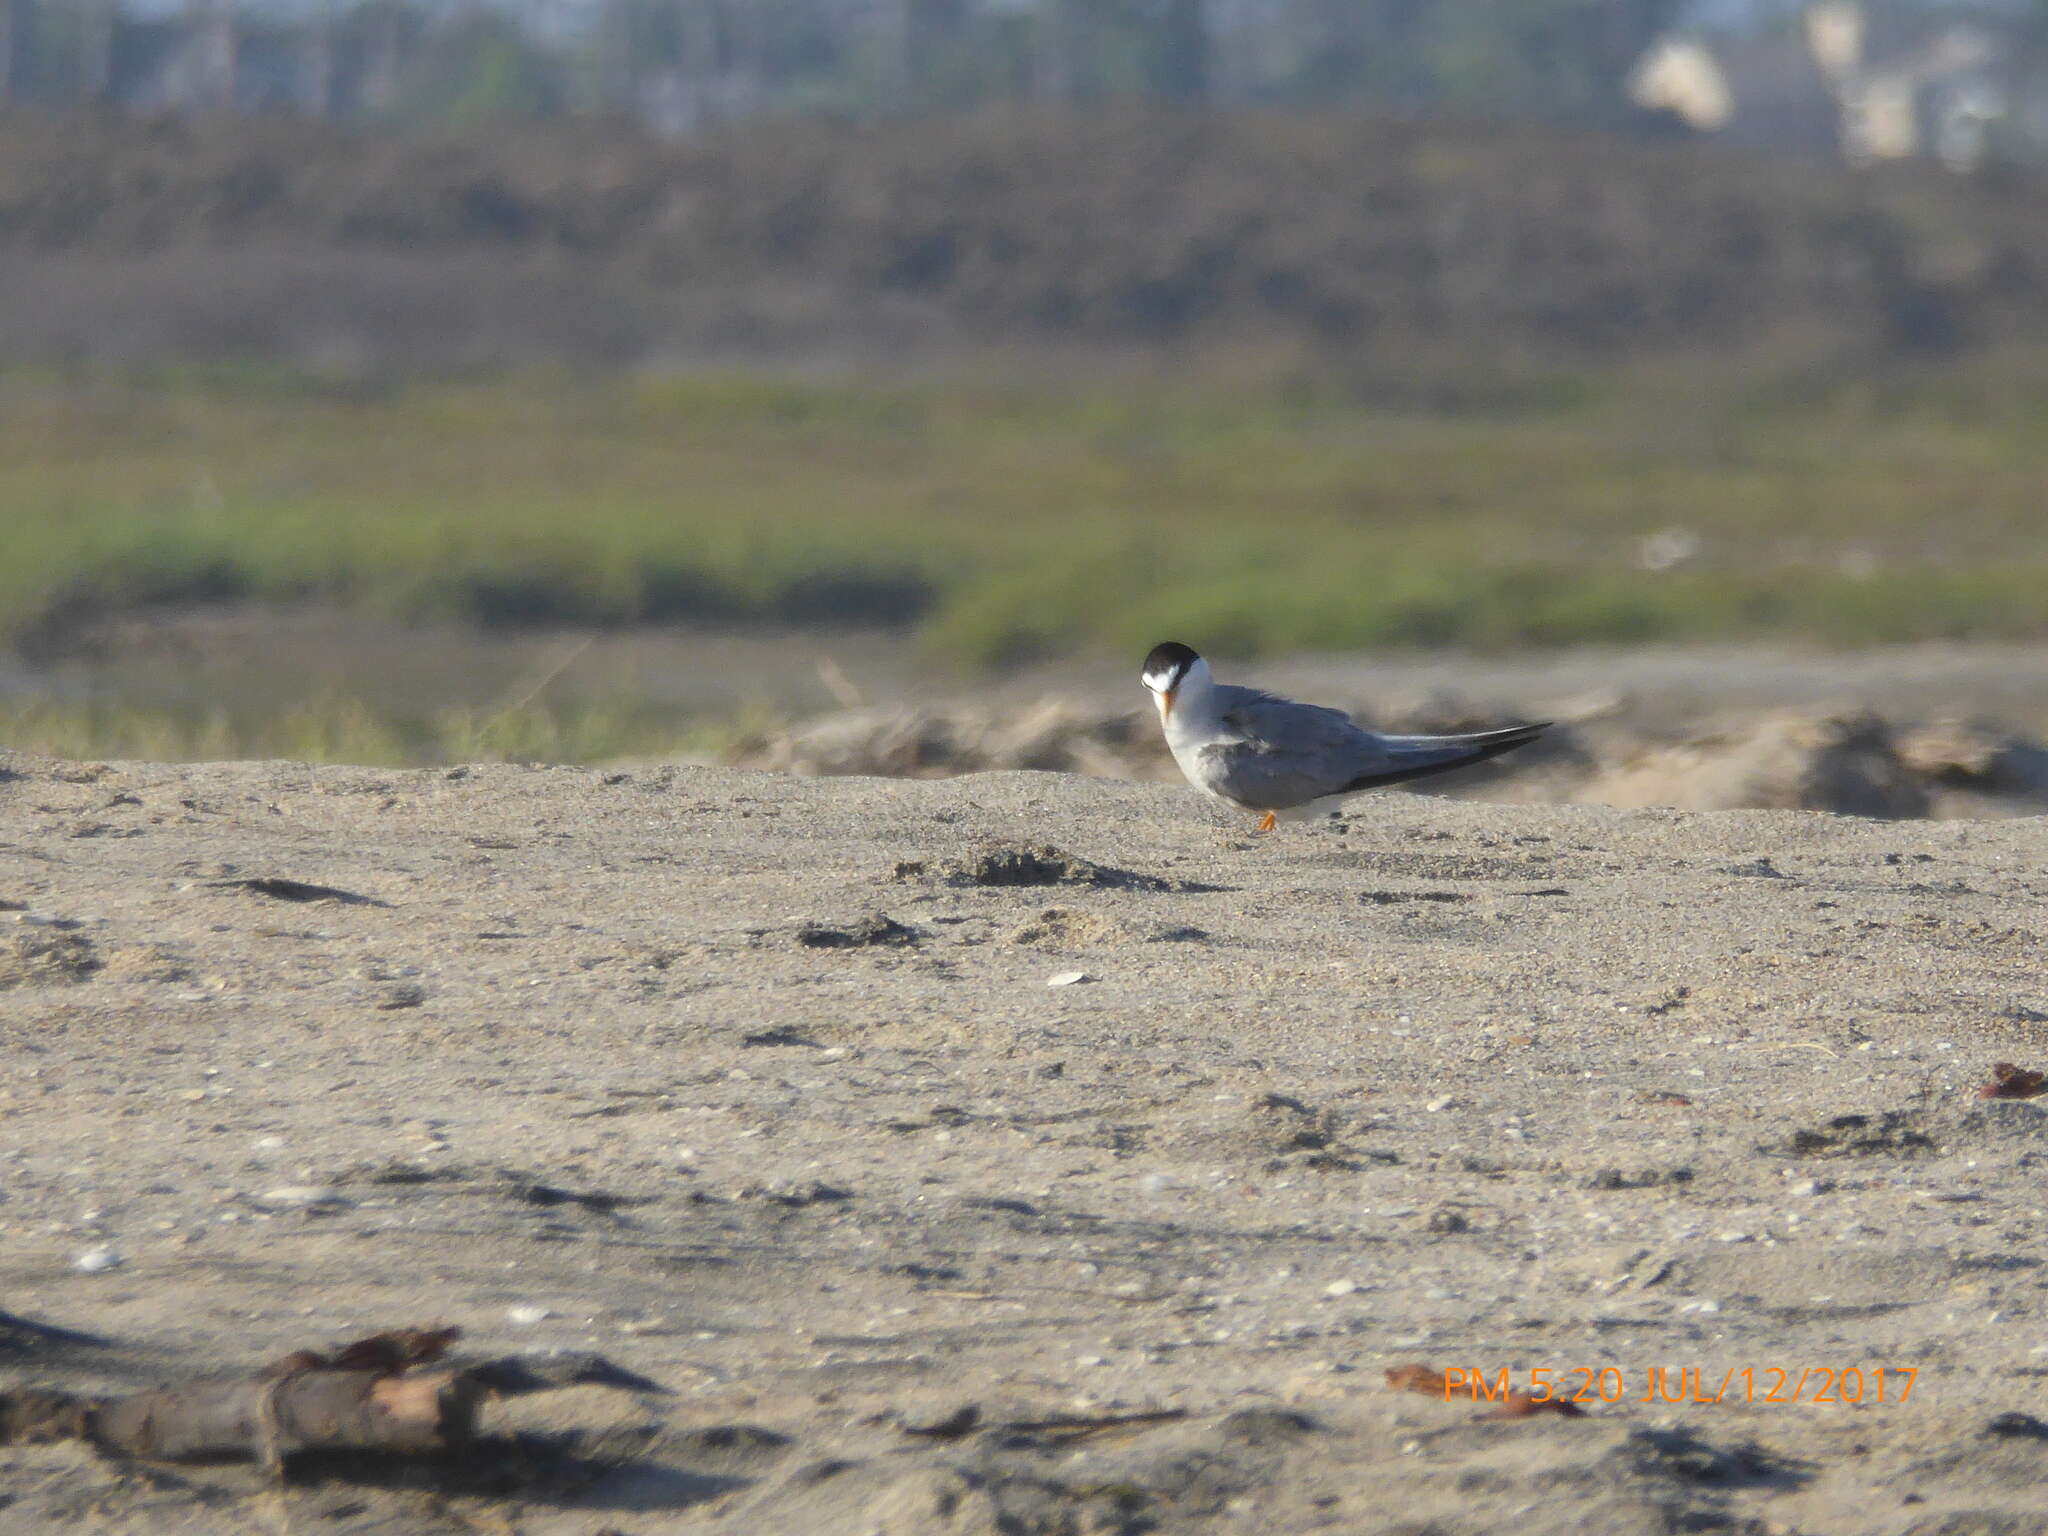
x=344, y=729
x=1262, y=380
x=1007, y=521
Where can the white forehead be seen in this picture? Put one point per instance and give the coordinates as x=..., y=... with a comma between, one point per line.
x=1166, y=678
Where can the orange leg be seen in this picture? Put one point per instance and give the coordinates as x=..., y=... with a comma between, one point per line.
x=1268, y=824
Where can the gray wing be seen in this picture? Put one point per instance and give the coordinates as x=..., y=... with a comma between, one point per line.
x=1288, y=754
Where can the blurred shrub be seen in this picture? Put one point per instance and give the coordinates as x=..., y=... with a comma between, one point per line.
x=1345, y=236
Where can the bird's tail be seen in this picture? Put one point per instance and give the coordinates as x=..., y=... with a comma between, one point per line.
x=1417, y=757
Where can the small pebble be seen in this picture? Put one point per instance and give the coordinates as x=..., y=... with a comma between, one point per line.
x=525, y=1316
x=97, y=1261
x=1067, y=978
x=1340, y=1288
x=297, y=1197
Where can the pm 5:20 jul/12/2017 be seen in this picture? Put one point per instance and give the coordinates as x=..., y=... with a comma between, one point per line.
x=1770, y=1384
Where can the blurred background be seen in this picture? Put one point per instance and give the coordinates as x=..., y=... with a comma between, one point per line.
x=865, y=385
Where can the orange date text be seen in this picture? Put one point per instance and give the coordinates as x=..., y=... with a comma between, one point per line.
x=1672, y=1384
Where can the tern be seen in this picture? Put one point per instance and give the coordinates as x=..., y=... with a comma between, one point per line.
x=1265, y=754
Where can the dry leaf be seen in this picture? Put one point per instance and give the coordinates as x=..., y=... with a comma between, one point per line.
x=387, y=1354
x=1426, y=1379
x=2011, y=1082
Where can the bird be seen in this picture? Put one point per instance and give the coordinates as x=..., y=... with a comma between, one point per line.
x=1265, y=754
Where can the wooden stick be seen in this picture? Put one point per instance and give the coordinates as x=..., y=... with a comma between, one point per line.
x=371, y=1395
x=269, y=1419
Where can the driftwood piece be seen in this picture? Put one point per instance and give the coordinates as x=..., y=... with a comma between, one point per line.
x=270, y=1418
x=370, y=1395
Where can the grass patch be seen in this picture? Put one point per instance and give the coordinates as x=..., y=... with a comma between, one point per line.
x=1000, y=522
x=343, y=729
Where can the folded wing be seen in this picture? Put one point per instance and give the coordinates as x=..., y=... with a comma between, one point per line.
x=1287, y=754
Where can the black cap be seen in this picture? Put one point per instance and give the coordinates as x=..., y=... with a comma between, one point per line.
x=1170, y=659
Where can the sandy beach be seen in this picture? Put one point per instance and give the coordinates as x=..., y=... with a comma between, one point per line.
x=838, y=1106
